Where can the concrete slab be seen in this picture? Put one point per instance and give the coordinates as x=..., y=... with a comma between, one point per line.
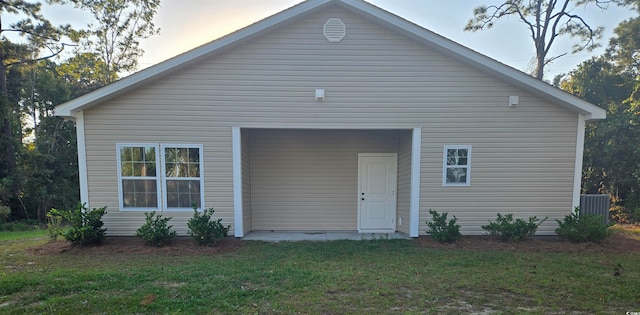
x=319, y=236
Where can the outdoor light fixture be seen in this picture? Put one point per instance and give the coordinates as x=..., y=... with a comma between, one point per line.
x=319, y=94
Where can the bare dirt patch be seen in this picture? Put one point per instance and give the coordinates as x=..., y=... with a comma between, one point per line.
x=617, y=243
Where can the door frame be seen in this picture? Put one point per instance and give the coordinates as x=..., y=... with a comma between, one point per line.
x=395, y=194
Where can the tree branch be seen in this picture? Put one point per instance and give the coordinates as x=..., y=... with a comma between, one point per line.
x=53, y=54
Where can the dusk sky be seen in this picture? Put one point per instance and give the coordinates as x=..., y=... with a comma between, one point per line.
x=186, y=24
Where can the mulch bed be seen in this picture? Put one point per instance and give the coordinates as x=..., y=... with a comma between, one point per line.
x=617, y=243
x=180, y=246
x=183, y=246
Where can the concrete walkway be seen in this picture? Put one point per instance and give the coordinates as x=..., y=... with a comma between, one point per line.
x=319, y=236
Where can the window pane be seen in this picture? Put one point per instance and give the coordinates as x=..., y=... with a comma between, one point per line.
x=139, y=193
x=183, y=193
x=456, y=175
x=194, y=170
x=184, y=201
x=126, y=169
x=152, y=200
x=150, y=169
x=125, y=154
x=457, y=156
x=182, y=162
x=137, y=169
x=170, y=169
x=138, y=161
x=194, y=155
x=150, y=155
x=169, y=155
x=172, y=200
x=172, y=186
x=182, y=169
x=137, y=154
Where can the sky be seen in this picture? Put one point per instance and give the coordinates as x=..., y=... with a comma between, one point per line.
x=187, y=24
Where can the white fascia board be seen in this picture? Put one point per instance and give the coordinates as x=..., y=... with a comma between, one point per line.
x=174, y=63
x=482, y=62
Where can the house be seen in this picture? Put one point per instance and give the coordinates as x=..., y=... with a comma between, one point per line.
x=333, y=115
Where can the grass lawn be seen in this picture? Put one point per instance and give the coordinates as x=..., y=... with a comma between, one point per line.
x=6, y=236
x=340, y=277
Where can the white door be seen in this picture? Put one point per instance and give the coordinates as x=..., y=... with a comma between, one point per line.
x=377, y=184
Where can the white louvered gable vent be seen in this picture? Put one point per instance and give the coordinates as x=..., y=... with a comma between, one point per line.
x=334, y=30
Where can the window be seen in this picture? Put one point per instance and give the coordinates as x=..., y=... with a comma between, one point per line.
x=456, y=166
x=182, y=176
x=153, y=179
x=138, y=176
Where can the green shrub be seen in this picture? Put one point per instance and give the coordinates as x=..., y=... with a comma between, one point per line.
x=55, y=224
x=204, y=230
x=583, y=228
x=509, y=230
x=156, y=230
x=441, y=230
x=86, y=225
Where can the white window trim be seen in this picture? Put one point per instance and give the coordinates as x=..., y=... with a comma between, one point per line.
x=445, y=166
x=163, y=178
x=119, y=146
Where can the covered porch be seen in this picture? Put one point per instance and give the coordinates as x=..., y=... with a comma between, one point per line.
x=326, y=180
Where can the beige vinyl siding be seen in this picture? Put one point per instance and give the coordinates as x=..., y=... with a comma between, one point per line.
x=374, y=79
x=308, y=179
x=103, y=174
x=404, y=182
x=527, y=172
x=246, y=180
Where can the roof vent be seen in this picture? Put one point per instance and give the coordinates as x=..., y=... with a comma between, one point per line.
x=334, y=30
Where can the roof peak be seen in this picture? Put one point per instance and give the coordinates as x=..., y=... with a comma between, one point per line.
x=397, y=23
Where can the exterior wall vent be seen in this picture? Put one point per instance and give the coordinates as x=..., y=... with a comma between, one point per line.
x=334, y=30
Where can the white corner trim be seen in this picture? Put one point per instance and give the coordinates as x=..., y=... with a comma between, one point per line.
x=414, y=203
x=577, y=172
x=82, y=159
x=238, y=226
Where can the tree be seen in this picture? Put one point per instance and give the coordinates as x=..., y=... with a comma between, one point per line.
x=612, y=146
x=624, y=48
x=545, y=20
x=83, y=73
x=116, y=33
x=42, y=172
x=42, y=40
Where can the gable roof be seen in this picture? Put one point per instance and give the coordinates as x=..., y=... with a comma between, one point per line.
x=394, y=22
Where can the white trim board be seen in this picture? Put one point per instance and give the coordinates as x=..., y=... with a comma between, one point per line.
x=577, y=172
x=236, y=152
x=414, y=205
x=82, y=159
